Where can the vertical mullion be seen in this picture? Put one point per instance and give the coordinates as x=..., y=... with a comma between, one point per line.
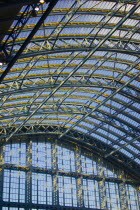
x=9, y=183
x=62, y=155
x=72, y=192
x=19, y=185
x=2, y=148
x=102, y=186
x=94, y=187
x=46, y=159
x=19, y=153
x=19, y=162
x=46, y=189
x=122, y=192
x=55, y=176
x=86, y=181
x=108, y=191
x=37, y=175
x=80, y=178
x=70, y=160
x=29, y=172
x=63, y=190
x=37, y=154
x=10, y=152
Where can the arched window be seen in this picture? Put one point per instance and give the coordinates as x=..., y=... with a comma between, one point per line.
x=40, y=172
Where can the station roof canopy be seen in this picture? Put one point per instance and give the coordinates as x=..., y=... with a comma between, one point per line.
x=72, y=68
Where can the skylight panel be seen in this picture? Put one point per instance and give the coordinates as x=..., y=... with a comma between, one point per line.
x=61, y=4
x=112, y=128
x=107, y=109
x=114, y=103
x=116, y=146
x=127, y=57
x=94, y=104
x=107, y=134
x=80, y=129
x=76, y=100
x=136, y=83
x=114, y=20
x=136, y=36
x=125, y=78
x=137, y=105
x=100, y=53
x=33, y=20
x=123, y=98
x=89, y=126
x=100, y=138
x=133, y=113
x=24, y=34
x=119, y=33
x=94, y=120
x=131, y=22
x=127, y=119
x=54, y=18
x=133, y=149
x=126, y=152
x=137, y=10
x=137, y=160
x=103, y=31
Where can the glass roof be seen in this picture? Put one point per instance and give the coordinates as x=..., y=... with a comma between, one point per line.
x=80, y=71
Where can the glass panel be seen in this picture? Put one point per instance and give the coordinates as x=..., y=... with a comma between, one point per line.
x=66, y=159
x=89, y=166
x=109, y=173
x=15, y=154
x=91, y=193
x=67, y=191
x=41, y=154
x=112, y=196
x=14, y=186
x=132, y=197
x=41, y=188
x=44, y=184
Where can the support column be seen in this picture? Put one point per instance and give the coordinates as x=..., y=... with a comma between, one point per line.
x=102, y=187
x=122, y=190
x=1, y=174
x=55, y=191
x=80, y=199
x=138, y=195
x=28, y=189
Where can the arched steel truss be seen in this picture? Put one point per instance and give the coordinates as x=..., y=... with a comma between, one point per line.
x=78, y=74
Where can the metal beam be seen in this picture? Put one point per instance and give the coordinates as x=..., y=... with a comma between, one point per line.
x=98, y=106
x=27, y=41
x=65, y=86
x=123, y=146
x=95, y=12
x=80, y=37
x=63, y=57
x=7, y=48
x=65, y=173
x=77, y=49
x=75, y=24
x=44, y=206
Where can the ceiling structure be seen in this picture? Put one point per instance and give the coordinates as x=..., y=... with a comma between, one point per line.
x=72, y=68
